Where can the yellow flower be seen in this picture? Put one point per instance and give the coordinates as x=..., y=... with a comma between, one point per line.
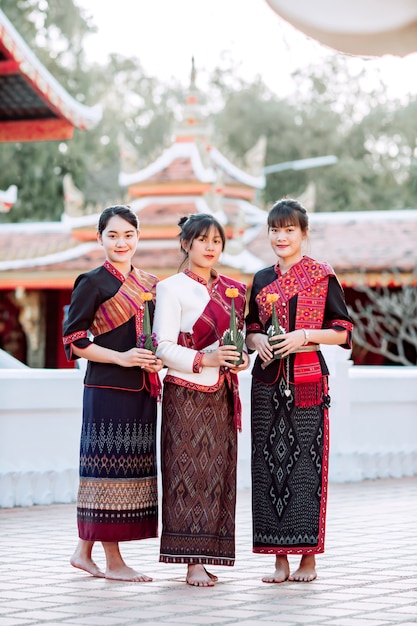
x=232, y=292
x=233, y=336
x=272, y=297
x=146, y=296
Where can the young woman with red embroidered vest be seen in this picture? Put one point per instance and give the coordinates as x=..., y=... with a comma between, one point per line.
x=290, y=397
x=200, y=407
x=117, y=496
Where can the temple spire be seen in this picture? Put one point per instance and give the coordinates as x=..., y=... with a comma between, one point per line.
x=194, y=125
x=193, y=75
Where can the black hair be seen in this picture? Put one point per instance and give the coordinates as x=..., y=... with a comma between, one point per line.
x=288, y=212
x=198, y=224
x=122, y=210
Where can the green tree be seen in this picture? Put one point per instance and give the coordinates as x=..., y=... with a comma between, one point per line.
x=335, y=109
x=350, y=115
x=55, y=31
x=293, y=132
x=134, y=103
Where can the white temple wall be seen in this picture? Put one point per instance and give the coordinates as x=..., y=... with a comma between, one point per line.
x=373, y=430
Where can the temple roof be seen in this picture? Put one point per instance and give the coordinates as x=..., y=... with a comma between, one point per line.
x=192, y=159
x=359, y=245
x=184, y=161
x=33, y=105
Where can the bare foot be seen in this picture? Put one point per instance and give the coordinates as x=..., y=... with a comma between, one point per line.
x=88, y=566
x=117, y=569
x=127, y=574
x=282, y=571
x=213, y=577
x=197, y=576
x=306, y=572
x=82, y=559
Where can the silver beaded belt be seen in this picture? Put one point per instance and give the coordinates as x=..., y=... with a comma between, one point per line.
x=315, y=347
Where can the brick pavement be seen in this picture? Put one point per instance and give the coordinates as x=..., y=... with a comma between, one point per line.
x=367, y=576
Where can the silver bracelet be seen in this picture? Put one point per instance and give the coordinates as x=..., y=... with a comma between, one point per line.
x=306, y=335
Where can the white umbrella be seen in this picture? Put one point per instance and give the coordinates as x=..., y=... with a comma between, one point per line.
x=359, y=27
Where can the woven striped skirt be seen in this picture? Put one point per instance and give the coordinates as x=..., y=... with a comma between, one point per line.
x=117, y=496
x=290, y=453
x=199, y=455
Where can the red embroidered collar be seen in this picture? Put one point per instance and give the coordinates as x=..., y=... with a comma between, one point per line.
x=110, y=268
x=202, y=281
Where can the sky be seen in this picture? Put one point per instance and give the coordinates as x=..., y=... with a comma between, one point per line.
x=165, y=34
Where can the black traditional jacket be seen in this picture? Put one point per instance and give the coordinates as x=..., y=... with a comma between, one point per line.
x=310, y=297
x=91, y=290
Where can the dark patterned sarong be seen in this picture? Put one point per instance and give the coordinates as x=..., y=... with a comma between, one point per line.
x=290, y=447
x=198, y=459
x=117, y=496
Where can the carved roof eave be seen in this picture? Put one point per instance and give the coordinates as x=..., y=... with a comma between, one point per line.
x=59, y=100
x=190, y=150
x=258, y=182
x=254, y=215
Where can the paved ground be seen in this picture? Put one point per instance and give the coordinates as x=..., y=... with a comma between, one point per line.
x=368, y=575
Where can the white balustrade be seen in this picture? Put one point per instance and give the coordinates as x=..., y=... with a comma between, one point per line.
x=373, y=432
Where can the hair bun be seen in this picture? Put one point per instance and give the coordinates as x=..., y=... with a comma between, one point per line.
x=182, y=221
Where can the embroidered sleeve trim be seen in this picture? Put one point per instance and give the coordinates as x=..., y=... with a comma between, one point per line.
x=254, y=328
x=80, y=334
x=197, y=366
x=341, y=324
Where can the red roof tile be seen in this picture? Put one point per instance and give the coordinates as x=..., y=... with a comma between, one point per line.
x=350, y=242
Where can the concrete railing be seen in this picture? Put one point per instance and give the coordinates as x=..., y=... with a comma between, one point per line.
x=373, y=420
x=40, y=422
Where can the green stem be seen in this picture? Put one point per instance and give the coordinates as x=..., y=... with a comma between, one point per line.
x=233, y=328
x=275, y=319
x=146, y=320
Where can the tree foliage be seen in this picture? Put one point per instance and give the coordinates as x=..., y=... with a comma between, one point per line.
x=334, y=110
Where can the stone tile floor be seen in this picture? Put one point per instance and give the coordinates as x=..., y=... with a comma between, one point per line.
x=367, y=576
